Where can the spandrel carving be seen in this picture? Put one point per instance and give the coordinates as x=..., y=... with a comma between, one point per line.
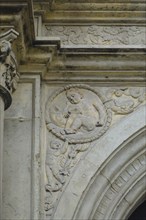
x=54, y=157
x=77, y=114
x=61, y=157
x=125, y=100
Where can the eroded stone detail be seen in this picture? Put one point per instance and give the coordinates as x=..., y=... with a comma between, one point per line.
x=97, y=35
x=9, y=75
x=77, y=114
x=125, y=100
x=116, y=187
x=61, y=157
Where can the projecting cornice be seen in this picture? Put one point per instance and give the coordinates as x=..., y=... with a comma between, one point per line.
x=68, y=36
x=91, y=24
x=58, y=11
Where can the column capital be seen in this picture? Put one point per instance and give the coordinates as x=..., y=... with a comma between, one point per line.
x=9, y=75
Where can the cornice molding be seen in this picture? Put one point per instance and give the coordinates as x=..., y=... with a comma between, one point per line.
x=91, y=11
x=35, y=49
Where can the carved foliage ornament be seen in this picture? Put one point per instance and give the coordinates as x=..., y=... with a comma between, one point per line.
x=126, y=100
x=97, y=35
x=76, y=113
x=9, y=75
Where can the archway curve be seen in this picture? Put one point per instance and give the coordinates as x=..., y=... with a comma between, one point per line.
x=91, y=180
x=138, y=212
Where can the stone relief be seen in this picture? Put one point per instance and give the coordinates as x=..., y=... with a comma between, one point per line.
x=76, y=115
x=125, y=100
x=55, y=152
x=8, y=66
x=61, y=157
x=9, y=75
x=97, y=35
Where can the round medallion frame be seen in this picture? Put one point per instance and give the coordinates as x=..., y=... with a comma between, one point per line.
x=66, y=137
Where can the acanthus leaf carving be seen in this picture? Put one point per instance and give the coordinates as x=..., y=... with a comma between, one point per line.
x=9, y=75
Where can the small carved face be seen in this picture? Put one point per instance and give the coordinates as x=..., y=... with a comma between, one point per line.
x=5, y=46
x=55, y=145
x=74, y=96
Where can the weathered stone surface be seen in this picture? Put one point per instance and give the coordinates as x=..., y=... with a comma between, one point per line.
x=101, y=150
x=17, y=169
x=75, y=133
x=21, y=153
x=67, y=145
x=9, y=75
x=96, y=35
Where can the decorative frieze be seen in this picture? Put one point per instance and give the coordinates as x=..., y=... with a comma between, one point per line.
x=96, y=34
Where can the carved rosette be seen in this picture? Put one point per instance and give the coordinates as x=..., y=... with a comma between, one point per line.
x=76, y=113
x=9, y=75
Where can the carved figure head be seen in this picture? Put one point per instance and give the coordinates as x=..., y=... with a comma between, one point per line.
x=74, y=95
x=5, y=47
x=55, y=145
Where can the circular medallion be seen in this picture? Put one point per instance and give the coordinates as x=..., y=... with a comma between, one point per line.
x=76, y=113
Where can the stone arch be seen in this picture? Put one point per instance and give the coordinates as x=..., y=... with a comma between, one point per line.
x=100, y=190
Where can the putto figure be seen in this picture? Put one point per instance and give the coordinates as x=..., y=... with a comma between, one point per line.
x=77, y=113
x=80, y=114
x=53, y=164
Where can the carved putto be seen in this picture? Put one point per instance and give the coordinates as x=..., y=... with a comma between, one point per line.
x=53, y=162
x=77, y=114
x=61, y=158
